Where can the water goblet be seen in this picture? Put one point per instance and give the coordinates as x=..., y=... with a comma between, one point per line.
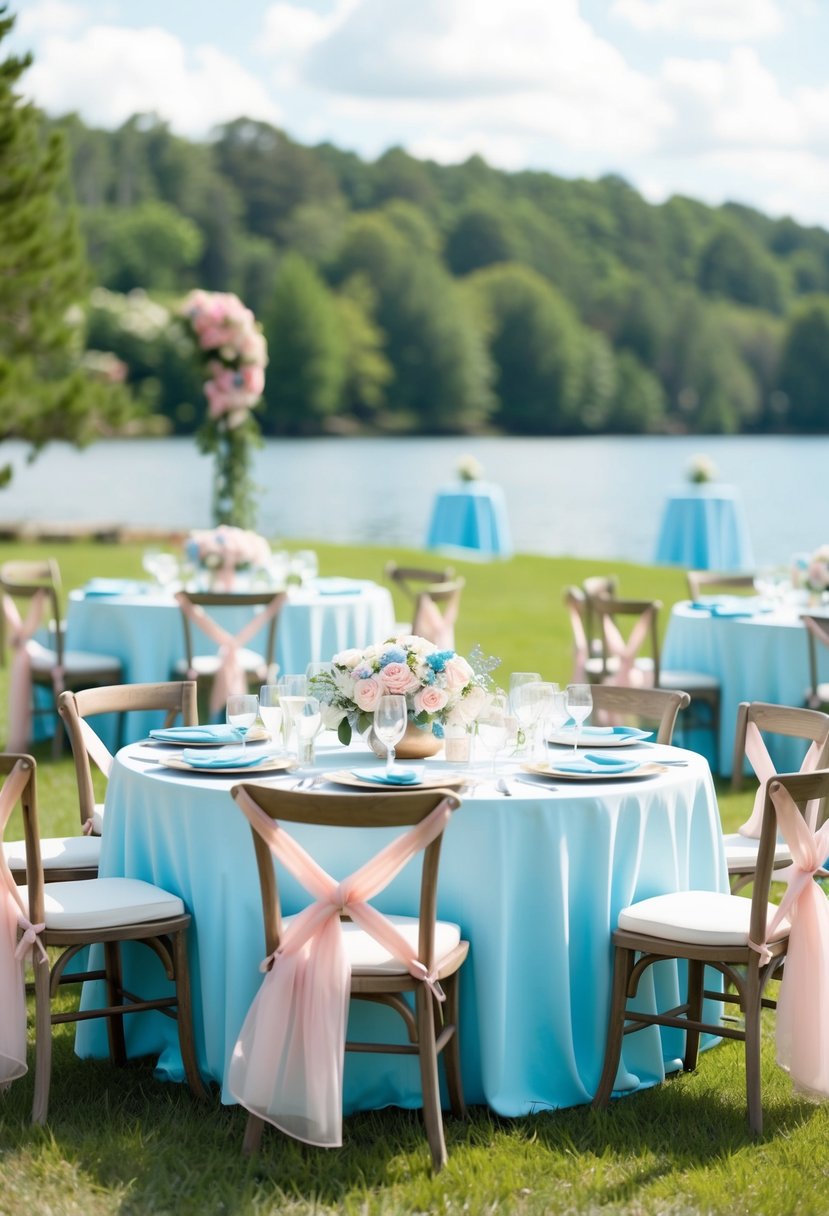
x=579, y=707
x=292, y=693
x=517, y=681
x=270, y=711
x=556, y=715
x=492, y=727
x=242, y=711
x=390, y=720
x=308, y=722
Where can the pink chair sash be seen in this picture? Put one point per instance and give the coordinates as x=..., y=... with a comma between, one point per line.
x=21, y=632
x=764, y=769
x=101, y=756
x=803, y=1003
x=230, y=678
x=436, y=626
x=628, y=675
x=13, y=951
x=287, y=1066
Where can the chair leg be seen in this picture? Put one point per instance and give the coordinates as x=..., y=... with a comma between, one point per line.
x=427, y=1055
x=452, y=1050
x=696, y=971
x=622, y=967
x=115, y=1021
x=751, y=1011
x=185, y=1017
x=253, y=1134
x=43, y=1040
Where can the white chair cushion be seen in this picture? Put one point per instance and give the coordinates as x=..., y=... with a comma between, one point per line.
x=56, y=852
x=208, y=664
x=73, y=660
x=367, y=955
x=688, y=681
x=741, y=851
x=101, y=903
x=701, y=918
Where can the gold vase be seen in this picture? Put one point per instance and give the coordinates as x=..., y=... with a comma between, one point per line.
x=416, y=744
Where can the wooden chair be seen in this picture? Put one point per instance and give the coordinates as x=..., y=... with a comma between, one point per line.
x=100, y=910
x=709, y=582
x=436, y=613
x=640, y=706
x=622, y=662
x=417, y=582
x=708, y=929
x=384, y=980
x=793, y=722
x=176, y=699
x=588, y=662
x=257, y=667
x=817, y=634
x=597, y=586
x=36, y=585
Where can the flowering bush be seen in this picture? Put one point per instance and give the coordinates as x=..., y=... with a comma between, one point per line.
x=701, y=469
x=817, y=572
x=235, y=356
x=440, y=687
x=469, y=469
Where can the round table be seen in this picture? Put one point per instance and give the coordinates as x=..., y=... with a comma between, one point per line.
x=535, y=880
x=142, y=627
x=470, y=517
x=704, y=528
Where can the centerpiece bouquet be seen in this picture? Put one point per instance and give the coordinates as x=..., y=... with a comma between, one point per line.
x=441, y=687
x=225, y=550
x=817, y=572
x=701, y=470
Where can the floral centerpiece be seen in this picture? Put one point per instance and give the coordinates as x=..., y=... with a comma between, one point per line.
x=234, y=352
x=226, y=549
x=469, y=469
x=817, y=571
x=441, y=688
x=701, y=470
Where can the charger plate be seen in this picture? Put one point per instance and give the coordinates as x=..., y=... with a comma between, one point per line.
x=449, y=781
x=644, y=770
x=271, y=764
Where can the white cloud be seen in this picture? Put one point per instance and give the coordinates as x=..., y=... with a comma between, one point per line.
x=717, y=20
x=109, y=73
x=50, y=17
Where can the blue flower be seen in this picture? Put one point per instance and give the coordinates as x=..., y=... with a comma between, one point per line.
x=439, y=659
x=437, y=730
x=393, y=655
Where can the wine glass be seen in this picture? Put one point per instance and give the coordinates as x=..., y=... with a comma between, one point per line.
x=242, y=712
x=527, y=702
x=517, y=681
x=292, y=693
x=492, y=727
x=270, y=711
x=579, y=707
x=390, y=718
x=556, y=714
x=308, y=722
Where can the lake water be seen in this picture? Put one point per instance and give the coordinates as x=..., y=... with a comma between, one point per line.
x=586, y=497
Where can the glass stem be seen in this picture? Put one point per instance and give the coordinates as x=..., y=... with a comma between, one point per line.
x=389, y=759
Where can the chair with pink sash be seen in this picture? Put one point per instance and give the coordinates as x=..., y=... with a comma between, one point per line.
x=68, y=916
x=232, y=667
x=746, y=941
x=34, y=586
x=588, y=662
x=436, y=613
x=753, y=720
x=287, y=1066
x=176, y=699
x=817, y=634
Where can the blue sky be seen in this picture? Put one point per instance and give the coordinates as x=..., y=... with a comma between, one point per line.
x=718, y=99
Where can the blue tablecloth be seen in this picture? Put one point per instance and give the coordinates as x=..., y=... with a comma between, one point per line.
x=763, y=657
x=144, y=630
x=703, y=528
x=536, y=882
x=473, y=516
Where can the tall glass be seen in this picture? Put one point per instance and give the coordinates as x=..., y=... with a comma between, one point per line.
x=307, y=723
x=493, y=728
x=292, y=693
x=579, y=707
x=270, y=711
x=390, y=719
x=242, y=711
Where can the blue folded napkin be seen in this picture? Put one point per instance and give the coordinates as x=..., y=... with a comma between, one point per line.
x=223, y=758
x=398, y=776
x=596, y=764
x=337, y=586
x=218, y=732
x=609, y=732
x=111, y=586
x=724, y=610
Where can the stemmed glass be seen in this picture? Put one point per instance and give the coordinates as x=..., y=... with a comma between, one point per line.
x=579, y=707
x=242, y=712
x=307, y=721
x=390, y=718
x=518, y=681
x=492, y=727
x=292, y=693
x=556, y=715
x=270, y=711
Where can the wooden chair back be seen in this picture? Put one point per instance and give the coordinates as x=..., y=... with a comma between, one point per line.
x=640, y=707
x=231, y=599
x=793, y=721
x=625, y=617
x=28, y=806
x=708, y=582
x=817, y=634
x=436, y=612
x=597, y=586
x=176, y=699
x=21, y=581
x=412, y=580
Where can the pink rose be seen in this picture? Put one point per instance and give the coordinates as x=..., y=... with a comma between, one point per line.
x=430, y=699
x=367, y=693
x=457, y=674
x=398, y=679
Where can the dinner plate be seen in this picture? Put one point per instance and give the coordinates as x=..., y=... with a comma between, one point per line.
x=164, y=738
x=450, y=781
x=622, y=737
x=269, y=764
x=644, y=770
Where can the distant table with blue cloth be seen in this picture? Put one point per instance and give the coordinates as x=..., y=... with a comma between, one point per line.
x=703, y=528
x=535, y=881
x=473, y=516
x=757, y=653
x=142, y=626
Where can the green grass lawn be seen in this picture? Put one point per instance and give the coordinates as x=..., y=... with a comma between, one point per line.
x=119, y=1141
